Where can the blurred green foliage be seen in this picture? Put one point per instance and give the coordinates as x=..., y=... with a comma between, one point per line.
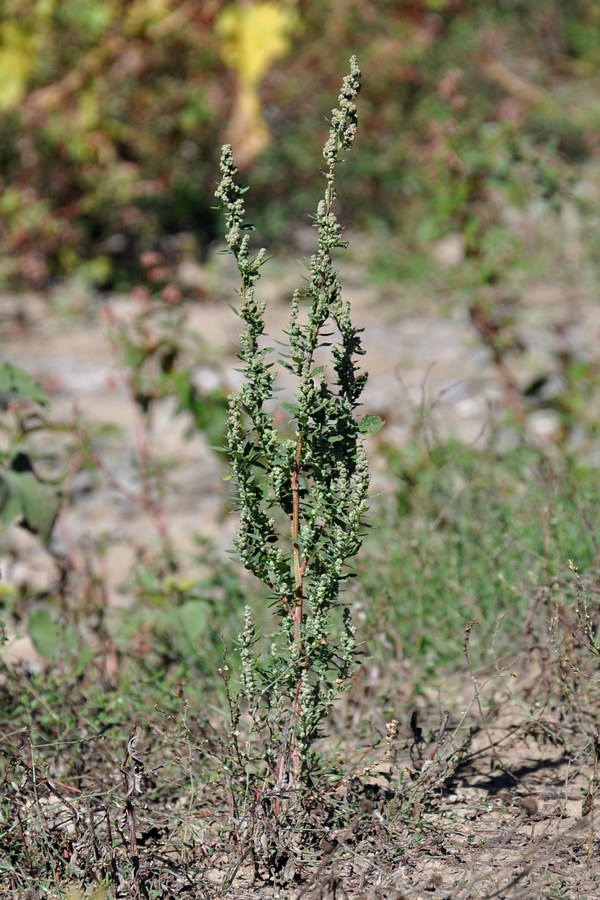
x=108, y=125
x=471, y=535
x=25, y=498
x=459, y=95
x=112, y=114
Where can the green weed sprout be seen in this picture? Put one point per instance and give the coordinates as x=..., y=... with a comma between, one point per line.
x=302, y=488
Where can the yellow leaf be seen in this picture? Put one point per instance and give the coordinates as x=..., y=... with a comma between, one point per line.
x=18, y=48
x=247, y=131
x=253, y=36
x=7, y=590
x=44, y=10
x=143, y=14
x=89, y=109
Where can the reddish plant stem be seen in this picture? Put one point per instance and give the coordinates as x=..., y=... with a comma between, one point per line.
x=298, y=610
x=299, y=567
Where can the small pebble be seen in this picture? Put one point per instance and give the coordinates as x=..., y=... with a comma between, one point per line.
x=528, y=806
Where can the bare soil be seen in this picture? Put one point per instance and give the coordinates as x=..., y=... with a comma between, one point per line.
x=429, y=375
x=500, y=801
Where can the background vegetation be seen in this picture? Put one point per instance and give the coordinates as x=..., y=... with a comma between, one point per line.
x=476, y=175
x=112, y=115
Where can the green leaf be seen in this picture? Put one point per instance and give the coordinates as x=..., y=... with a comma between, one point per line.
x=194, y=619
x=371, y=425
x=43, y=632
x=14, y=382
x=7, y=591
x=86, y=655
x=148, y=581
x=70, y=639
x=24, y=497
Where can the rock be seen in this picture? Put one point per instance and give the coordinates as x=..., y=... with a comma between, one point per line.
x=21, y=653
x=449, y=251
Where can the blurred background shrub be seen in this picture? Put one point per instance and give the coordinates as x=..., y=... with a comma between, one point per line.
x=112, y=114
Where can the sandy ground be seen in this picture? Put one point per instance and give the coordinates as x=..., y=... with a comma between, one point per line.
x=428, y=372
x=512, y=822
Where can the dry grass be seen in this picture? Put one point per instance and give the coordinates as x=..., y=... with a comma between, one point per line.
x=495, y=798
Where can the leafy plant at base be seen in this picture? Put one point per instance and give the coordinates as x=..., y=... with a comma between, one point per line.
x=24, y=497
x=27, y=499
x=160, y=352
x=302, y=493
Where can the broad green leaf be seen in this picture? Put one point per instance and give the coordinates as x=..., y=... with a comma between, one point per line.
x=194, y=618
x=10, y=506
x=69, y=638
x=14, y=382
x=90, y=17
x=371, y=424
x=148, y=580
x=29, y=501
x=85, y=657
x=43, y=632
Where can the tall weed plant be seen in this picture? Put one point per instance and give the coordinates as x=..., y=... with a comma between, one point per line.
x=302, y=490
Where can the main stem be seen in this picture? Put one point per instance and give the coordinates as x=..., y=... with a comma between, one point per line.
x=298, y=565
x=298, y=610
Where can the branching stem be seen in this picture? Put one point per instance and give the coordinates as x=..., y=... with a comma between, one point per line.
x=302, y=489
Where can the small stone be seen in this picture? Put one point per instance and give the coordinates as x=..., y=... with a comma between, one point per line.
x=21, y=653
x=449, y=251
x=528, y=806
